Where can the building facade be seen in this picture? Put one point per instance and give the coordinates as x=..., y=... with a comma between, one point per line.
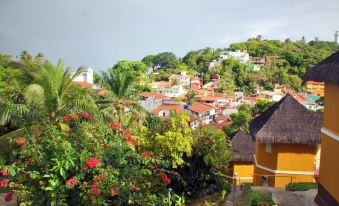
x=328, y=71
x=287, y=137
x=317, y=88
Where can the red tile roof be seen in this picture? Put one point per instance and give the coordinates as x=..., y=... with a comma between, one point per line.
x=178, y=108
x=84, y=84
x=156, y=95
x=199, y=108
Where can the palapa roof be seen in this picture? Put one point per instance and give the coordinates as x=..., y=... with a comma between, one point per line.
x=325, y=71
x=243, y=147
x=287, y=121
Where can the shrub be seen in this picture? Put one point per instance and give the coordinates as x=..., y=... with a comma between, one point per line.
x=301, y=186
x=258, y=197
x=80, y=162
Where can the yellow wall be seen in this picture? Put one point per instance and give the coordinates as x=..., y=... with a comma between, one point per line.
x=315, y=88
x=329, y=159
x=243, y=170
x=331, y=113
x=266, y=159
x=296, y=157
x=288, y=157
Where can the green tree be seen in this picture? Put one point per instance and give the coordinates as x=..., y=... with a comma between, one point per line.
x=166, y=60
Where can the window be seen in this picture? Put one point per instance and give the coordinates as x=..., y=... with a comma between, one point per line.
x=268, y=148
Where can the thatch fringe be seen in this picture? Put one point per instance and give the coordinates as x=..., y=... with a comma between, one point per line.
x=325, y=71
x=288, y=122
x=243, y=147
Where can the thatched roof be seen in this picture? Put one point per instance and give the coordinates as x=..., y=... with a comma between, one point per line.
x=287, y=121
x=243, y=147
x=325, y=71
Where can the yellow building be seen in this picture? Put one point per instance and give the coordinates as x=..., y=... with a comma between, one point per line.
x=317, y=88
x=242, y=157
x=287, y=147
x=328, y=71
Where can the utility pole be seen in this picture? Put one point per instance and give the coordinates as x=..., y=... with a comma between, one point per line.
x=234, y=187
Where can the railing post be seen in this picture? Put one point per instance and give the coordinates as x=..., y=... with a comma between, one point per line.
x=234, y=187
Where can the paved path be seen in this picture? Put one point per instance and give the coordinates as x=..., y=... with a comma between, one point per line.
x=285, y=198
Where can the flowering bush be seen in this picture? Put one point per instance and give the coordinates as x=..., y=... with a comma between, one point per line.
x=77, y=162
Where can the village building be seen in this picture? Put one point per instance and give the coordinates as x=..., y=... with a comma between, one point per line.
x=316, y=88
x=287, y=137
x=151, y=100
x=258, y=60
x=242, y=56
x=328, y=188
x=213, y=63
x=165, y=110
x=201, y=114
x=271, y=95
x=182, y=79
x=196, y=83
x=242, y=163
x=166, y=88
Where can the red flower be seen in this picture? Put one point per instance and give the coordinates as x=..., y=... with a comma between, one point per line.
x=93, y=162
x=145, y=154
x=4, y=182
x=4, y=172
x=99, y=178
x=127, y=132
x=21, y=141
x=116, y=126
x=134, y=187
x=131, y=140
x=67, y=119
x=85, y=168
x=8, y=197
x=94, y=190
x=75, y=116
x=165, y=179
x=71, y=182
x=113, y=192
x=86, y=116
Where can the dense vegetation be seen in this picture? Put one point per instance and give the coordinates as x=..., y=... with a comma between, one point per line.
x=296, y=58
x=66, y=145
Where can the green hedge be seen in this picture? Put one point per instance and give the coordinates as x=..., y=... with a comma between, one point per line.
x=302, y=186
x=254, y=198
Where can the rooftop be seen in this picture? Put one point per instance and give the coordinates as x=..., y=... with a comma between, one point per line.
x=199, y=108
x=325, y=71
x=178, y=108
x=243, y=147
x=153, y=94
x=287, y=121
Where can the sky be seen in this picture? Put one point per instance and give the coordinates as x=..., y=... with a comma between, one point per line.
x=101, y=32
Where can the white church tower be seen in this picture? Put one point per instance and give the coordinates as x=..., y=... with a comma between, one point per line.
x=85, y=76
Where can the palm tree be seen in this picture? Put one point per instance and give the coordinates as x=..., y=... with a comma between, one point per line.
x=121, y=99
x=25, y=56
x=51, y=92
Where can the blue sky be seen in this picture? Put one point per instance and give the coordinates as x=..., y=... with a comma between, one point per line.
x=101, y=32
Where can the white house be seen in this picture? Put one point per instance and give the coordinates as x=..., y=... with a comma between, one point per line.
x=271, y=95
x=85, y=76
x=182, y=78
x=166, y=88
x=242, y=56
x=151, y=100
x=201, y=114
